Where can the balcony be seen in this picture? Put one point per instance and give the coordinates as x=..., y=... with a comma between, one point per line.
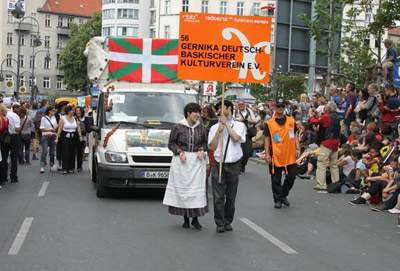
x=25, y=27
x=63, y=31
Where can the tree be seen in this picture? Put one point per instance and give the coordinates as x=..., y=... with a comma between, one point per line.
x=73, y=62
x=386, y=17
x=290, y=86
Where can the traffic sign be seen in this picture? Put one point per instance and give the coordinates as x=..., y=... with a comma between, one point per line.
x=209, y=88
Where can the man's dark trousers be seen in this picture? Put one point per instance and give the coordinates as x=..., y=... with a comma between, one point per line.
x=246, y=148
x=13, y=149
x=279, y=190
x=224, y=193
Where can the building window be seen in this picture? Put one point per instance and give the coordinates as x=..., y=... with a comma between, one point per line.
x=271, y=11
x=167, y=31
x=109, y=14
x=167, y=6
x=152, y=4
x=152, y=33
x=368, y=17
x=21, y=80
x=9, y=60
x=127, y=31
x=223, y=7
x=32, y=80
x=239, y=8
x=109, y=31
x=22, y=39
x=58, y=64
x=129, y=1
x=108, y=1
x=128, y=13
x=21, y=61
x=46, y=65
x=47, y=21
x=60, y=21
x=9, y=38
x=152, y=17
x=59, y=43
x=33, y=19
x=185, y=5
x=32, y=40
x=204, y=6
x=9, y=77
x=256, y=9
x=32, y=62
x=81, y=21
x=46, y=82
x=10, y=17
x=59, y=84
x=47, y=41
x=69, y=22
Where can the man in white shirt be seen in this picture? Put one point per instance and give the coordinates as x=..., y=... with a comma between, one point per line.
x=246, y=116
x=14, y=126
x=224, y=193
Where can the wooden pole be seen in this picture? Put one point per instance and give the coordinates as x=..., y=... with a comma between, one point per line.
x=221, y=137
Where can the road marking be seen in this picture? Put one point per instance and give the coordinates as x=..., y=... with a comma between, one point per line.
x=19, y=240
x=269, y=237
x=43, y=189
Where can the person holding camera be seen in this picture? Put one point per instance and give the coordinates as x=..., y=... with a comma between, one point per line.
x=390, y=108
x=371, y=105
x=246, y=116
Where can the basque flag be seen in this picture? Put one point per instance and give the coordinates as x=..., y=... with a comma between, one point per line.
x=143, y=60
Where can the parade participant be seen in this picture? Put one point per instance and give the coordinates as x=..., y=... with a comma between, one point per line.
x=69, y=132
x=209, y=117
x=282, y=147
x=80, y=116
x=328, y=136
x=14, y=126
x=186, y=193
x=48, y=126
x=4, y=148
x=25, y=136
x=32, y=113
x=246, y=116
x=60, y=112
x=224, y=192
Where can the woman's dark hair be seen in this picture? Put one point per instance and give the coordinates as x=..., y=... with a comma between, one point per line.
x=346, y=149
x=22, y=112
x=48, y=109
x=35, y=106
x=68, y=109
x=190, y=108
x=210, y=112
x=357, y=153
x=365, y=94
x=82, y=111
x=370, y=138
x=262, y=114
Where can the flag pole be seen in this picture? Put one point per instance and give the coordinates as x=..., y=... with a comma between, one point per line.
x=221, y=136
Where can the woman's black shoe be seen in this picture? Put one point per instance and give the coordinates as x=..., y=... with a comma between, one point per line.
x=186, y=224
x=196, y=224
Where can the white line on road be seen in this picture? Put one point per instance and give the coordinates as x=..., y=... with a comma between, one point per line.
x=43, y=189
x=19, y=240
x=269, y=237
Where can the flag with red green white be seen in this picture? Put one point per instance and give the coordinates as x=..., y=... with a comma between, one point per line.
x=143, y=60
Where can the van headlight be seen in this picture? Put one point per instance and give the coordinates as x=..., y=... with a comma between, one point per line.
x=116, y=157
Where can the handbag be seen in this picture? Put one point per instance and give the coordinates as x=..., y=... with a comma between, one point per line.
x=86, y=151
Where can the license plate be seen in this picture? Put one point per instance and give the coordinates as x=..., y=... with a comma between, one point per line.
x=155, y=174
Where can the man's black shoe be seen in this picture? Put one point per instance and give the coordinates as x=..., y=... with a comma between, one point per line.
x=278, y=205
x=228, y=227
x=286, y=202
x=14, y=181
x=220, y=229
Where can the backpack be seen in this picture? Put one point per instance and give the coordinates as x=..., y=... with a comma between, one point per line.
x=386, y=153
x=335, y=188
x=37, y=120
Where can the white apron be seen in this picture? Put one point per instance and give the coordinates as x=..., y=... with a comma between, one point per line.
x=186, y=183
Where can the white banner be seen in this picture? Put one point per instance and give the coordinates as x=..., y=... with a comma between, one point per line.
x=11, y=4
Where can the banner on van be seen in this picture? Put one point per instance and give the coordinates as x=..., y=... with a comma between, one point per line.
x=228, y=48
x=143, y=60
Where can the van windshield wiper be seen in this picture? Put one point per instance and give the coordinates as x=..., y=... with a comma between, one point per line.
x=128, y=123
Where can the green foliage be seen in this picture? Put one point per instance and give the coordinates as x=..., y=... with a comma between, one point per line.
x=386, y=18
x=73, y=62
x=356, y=57
x=290, y=86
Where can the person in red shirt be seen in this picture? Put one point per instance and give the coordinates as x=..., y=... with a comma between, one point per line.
x=328, y=137
x=390, y=108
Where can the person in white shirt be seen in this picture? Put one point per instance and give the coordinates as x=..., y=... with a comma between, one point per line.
x=224, y=193
x=14, y=124
x=48, y=126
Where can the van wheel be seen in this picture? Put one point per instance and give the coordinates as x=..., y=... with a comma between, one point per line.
x=101, y=190
x=94, y=171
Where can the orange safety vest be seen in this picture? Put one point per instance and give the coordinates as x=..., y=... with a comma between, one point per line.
x=283, y=143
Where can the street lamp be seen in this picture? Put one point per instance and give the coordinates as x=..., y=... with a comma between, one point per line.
x=47, y=58
x=19, y=13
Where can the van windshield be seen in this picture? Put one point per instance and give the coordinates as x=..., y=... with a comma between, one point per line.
x=147, y=108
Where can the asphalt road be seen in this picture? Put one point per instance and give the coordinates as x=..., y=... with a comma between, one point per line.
x=55, y=222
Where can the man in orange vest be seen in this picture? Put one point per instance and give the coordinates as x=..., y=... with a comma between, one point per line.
x=282, y=148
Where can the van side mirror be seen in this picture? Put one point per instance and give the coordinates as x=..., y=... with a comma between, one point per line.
x=96, y=129
x=88, y=124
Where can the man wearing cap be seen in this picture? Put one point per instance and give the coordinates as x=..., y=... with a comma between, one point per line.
x=328, y=136
x=224, y=193
x=247, y=117
x=282, y=148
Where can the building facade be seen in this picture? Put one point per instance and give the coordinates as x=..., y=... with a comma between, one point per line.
x=52, y=19
x=160, y=18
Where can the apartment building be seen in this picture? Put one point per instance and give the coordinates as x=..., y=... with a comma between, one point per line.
x=52, y=20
